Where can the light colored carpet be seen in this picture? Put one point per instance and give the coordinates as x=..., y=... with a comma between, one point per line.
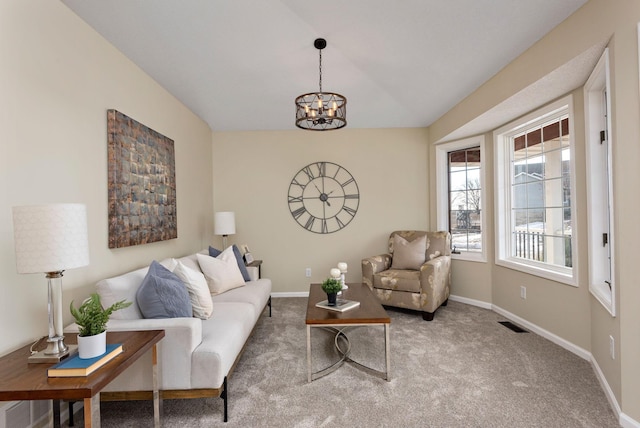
x=463, y=369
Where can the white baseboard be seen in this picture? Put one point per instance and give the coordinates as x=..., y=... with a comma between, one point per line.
x=607, y=391
x=624, y=420
x=471, y=302
x=582, y=353
x=627, y=422
x=290, y=294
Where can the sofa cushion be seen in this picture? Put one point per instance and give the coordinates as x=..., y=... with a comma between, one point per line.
x=408, y=254
x=223, y=337
x=398, y=280
x=214, y=252
x=198, y=290
x=256, y=293
x=221, y=272
x=122, y=287
x=162, y=294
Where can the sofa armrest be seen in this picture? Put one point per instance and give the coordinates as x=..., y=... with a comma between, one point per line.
x=435, y=279
x=182, y=336
x=373, y=265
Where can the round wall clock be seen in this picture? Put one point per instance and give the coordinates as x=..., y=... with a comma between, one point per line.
x=323, y=197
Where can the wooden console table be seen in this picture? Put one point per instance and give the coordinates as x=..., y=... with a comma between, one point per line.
x=20, y=380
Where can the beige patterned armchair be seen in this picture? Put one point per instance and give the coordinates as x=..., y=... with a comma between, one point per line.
x=415, y=274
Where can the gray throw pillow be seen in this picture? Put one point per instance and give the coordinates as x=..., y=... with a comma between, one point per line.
x=163, y=295
x=213, y=252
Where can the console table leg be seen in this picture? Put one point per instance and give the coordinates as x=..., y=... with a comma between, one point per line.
x=157, y=400
x=56, y=414
x=92, y=411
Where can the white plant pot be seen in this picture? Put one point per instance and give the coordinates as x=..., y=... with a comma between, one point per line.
x=92, y=346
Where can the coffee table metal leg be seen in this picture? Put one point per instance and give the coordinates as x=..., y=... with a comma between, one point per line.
x=309, y=353
x=387, y=351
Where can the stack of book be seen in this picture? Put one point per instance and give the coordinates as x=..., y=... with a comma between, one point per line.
x=340, y=306
x=74, y=366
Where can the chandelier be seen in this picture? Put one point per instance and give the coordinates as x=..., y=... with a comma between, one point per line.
x=321, y=111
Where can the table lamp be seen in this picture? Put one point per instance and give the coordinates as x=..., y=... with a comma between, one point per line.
x=50, y=239
x=224, y=224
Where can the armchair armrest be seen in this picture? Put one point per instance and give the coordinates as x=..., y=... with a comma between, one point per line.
x=373, y=265
x=435, y=279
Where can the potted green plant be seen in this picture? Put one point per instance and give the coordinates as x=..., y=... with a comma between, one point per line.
x=92, y=319
x=331, y=286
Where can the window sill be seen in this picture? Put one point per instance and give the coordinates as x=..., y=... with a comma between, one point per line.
x=549, y=274
x=468, y=256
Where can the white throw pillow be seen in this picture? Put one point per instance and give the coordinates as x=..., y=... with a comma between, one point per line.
x=198, y=289
x=222, y=272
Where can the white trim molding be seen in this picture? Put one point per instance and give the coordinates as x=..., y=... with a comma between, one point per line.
x=600, y=196
x=442, y=192
x=503, y=195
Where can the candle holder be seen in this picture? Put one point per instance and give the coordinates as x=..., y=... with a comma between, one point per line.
x=342, y=266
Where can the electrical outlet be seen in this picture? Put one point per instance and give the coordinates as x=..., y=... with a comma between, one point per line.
x=307, y=272
x=523, y=292
x=612, y=347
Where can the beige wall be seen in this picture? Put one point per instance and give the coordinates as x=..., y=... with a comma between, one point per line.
x=252, y=172
x=57, y=79
x=572, y=313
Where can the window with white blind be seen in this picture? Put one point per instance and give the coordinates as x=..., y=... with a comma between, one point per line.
x=534, y=191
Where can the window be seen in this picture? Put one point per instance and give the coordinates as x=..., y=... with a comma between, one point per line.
x=600, y=185
x=460, y=178
x=534, y=193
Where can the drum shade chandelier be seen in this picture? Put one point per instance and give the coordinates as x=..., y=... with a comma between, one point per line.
x=321, y=111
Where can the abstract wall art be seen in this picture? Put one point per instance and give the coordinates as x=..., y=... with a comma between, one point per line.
x=142, y=183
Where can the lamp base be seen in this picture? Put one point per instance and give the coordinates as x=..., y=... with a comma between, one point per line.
x=55, y=352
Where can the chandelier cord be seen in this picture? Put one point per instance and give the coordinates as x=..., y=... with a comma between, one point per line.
x=320, y=69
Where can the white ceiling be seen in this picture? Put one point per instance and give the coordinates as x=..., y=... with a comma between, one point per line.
x=239, y=64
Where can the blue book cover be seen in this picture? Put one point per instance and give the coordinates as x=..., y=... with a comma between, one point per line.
x=76, y=366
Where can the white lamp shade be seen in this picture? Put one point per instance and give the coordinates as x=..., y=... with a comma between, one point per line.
x=224, y=223
x=50, y=238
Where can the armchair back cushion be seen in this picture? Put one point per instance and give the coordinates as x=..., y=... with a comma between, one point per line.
x=438, y=243
x=408, y=254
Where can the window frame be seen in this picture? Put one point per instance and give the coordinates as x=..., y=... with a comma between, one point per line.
x=598, y=82
x=442, y=192
x=502, y=195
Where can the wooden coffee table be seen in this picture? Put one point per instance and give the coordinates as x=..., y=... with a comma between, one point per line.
x=20, y=380
x=369, y=313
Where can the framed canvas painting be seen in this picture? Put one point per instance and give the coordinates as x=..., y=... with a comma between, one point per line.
x=141, y=182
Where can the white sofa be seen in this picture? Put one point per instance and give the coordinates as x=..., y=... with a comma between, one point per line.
x=196, y=356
